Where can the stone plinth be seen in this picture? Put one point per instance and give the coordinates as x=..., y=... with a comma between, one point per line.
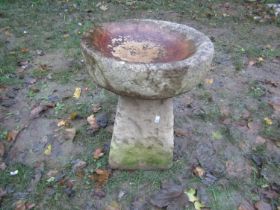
x=143, y=134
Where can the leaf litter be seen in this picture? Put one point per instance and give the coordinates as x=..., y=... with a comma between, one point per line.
x=98, y=153
x=171, y=195
x=100, y=177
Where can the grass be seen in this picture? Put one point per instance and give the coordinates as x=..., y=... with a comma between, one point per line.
x=53, y=25
x=256, y=90
x=16, y=183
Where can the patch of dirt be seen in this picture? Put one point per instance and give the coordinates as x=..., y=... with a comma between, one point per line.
x=32, y=143
x=56, y=60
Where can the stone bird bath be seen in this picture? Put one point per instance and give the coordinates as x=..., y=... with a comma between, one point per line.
x=146, y=62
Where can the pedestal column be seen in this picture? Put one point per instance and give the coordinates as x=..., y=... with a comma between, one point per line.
x=143, y=134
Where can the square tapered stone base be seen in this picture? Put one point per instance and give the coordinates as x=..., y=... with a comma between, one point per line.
x=143, y=134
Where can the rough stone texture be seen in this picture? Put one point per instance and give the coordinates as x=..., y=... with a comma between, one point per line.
x=149, y=80
x=143, y=134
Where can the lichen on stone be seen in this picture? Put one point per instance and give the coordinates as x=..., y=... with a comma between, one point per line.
x=139, y=156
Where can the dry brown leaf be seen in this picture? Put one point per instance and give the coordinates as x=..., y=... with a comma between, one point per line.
x=44, y=67
x=30, y=205
x=70, y=133
x=181, y=132
x=2, y=149
x=39, y=109
x=20, y=205
x=12, y=135
x=101, y=177
x=245, y=205
x=199, y=171
x=92, y=121
x=252, y=62
x=261, y=205
x=98, y=153
x=96, y=108
x=24, y=50
x=273, y=83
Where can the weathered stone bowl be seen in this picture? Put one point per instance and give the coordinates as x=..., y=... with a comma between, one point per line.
x=139, y=60
x=147, y=59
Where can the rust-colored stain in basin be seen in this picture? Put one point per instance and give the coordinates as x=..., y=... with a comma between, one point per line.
x=142, y=42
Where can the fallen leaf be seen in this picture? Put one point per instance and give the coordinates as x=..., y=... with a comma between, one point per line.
x=96, y=108
x=51, y=179
x=267, y=121
x=64, y=123
x=52, y=173
x=216, y=135
x=169, y=193
x=209, y=81
x=2, y=149
x=245, y=205
x=20, y=205
x=101, y=177
x=98, y=153
x=275, y=103
x=73, y=116
x=269, y=193
x=40, y=52
x=24, y=50
x=252, y=62
x=181, y=132
x=48, y=150
x=30, y=205
x=102, y=6
x=198, y=205
x=39, y=109
x=191, y=193
x=199, y=171
x=44, y=67
x=113, y=206
x=77, y=93
x=70, y=133
x=260, y=59
x=78, y=166
x=273, y=83
x=92, y=121
x=261, y=205
x=12, y=135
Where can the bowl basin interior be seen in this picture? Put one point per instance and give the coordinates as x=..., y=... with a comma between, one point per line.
x=141, y=42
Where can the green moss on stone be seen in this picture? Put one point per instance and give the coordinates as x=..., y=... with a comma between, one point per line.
x=140, y=157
